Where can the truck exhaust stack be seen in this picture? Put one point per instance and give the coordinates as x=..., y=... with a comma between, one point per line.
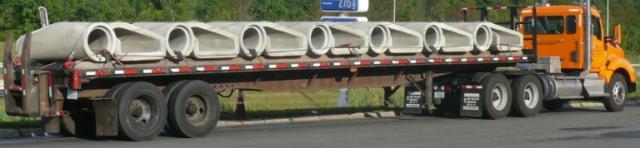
x=213, y=43
x=137, y=44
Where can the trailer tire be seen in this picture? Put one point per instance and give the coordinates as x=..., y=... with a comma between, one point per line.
x=617, y=90
x=193, y=110
x=497, y=96
x=142, y=111
x=527, y=96
x=168, y=92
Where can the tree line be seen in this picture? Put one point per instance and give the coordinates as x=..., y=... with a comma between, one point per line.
x=22, y=16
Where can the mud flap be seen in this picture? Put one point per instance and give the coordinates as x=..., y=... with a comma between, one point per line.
x=470, y=101
x=106, y=117
x=413, y=100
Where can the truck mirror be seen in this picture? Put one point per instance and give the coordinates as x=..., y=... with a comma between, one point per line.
x=617, y=34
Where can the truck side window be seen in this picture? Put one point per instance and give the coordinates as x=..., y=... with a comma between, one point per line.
x=595, y=27
x=546, y=25
x=571, y=24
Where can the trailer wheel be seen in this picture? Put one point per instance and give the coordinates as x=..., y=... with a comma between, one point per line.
x=617, y=90
x=141, y=111
x=168, y=92
x=552, y=105
x=527, y=96
x=193, y=110
x=85, y=118
x=497, y=96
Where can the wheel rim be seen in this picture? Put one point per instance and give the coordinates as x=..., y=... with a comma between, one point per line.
x=499, y=96
x=196, y=110
x=618, y=92
x=531, y=95
x=140, y=112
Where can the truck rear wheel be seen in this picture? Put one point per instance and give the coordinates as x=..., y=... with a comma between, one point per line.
x=193, y=110
x=617, y=90
x=527, y=96
x=141, y=111
x=497, y=96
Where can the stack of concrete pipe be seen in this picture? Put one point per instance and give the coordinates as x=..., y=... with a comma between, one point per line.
x=153, y=41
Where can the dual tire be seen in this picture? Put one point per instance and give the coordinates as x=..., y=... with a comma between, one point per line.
x=521, y=97
x=193, y=109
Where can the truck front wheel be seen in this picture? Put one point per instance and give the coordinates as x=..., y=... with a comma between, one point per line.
x=617, y=90
x=193, y=110
x=527, y=96
x=497, y=96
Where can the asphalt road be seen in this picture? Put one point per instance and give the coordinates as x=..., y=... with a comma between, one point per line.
x=572, y=128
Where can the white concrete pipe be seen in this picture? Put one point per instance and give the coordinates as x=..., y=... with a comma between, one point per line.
x=506, y=39
x=441, y=37
x=317, y=34
x=213, y=43
x=283, y=41
x=76, y=40
x=346, y=40
x=178, y=37
x=252, y=38
x=481, y=31
x=403, y=40
x=377, y=36
x=137, y=44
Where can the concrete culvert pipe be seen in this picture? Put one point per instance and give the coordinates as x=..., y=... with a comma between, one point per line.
x=432, y=35
x=482, y=34
x=403, y=40
x=506, y=39
x=317, y=34
x=78, y=40
x=376, y=35
x=454, y=39
x=346, y=40
x=283, y=41
x=137, y=44
x=178, y=37
x=213, y=43
x=252, y=38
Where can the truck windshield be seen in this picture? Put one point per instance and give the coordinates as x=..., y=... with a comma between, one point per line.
x=546, y=25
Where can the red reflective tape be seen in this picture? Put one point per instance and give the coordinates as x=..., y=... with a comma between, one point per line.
x=158, y=71
x=75, y=80
x=502, y=58
x=279, y=66
x=487, y=59
x=436, y=60
x=185, y=69
x=131, y=72
x=403, y=61
x=345, y=63
x=235, y=67
x=258, y=66
x=210, y=68
x=517, y=58
x=470, y=59
x=303, y=65
x=385, y=62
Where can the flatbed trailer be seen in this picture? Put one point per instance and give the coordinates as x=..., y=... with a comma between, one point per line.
x=113, y=98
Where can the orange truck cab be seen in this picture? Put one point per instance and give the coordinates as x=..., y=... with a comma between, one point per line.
x=561, y=33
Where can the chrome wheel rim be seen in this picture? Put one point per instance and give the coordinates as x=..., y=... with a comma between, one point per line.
x=618, y=92
x=139, y=111
x=531, y=95
x=196, y=110
x=499, y=97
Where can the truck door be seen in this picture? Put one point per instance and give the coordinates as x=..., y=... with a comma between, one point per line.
x=598, y=55
x=558, y=36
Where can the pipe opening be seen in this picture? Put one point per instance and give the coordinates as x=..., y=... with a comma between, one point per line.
x=319, y=38
x=482, y=38
x=178, y=39
x=432, y=38
x=378, y=37
x=135, y=42
x=98, y=39
x=251, y=38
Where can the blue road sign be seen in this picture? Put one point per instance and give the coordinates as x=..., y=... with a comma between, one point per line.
x=344, y=5
x=343, y=19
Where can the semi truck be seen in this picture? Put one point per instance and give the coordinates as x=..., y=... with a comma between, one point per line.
x=566, y=56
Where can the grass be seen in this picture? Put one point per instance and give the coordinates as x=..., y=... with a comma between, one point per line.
x=7, y=121
x=308, y=102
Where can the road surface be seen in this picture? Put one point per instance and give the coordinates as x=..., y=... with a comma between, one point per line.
x=571, y=128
